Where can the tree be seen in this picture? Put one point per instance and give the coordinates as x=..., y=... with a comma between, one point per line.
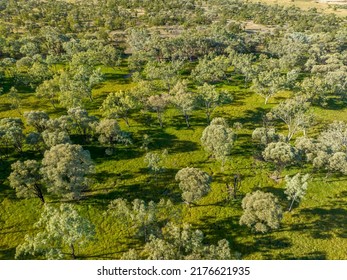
x=64, y=169
x=194, y=184
x=25, y=178
x=184, y=243
x=268, y=83
x=293, y=112
x=59, y=229
x=15, y=100
x=144, y=217
x=261, y=211
x=296, y=187
x=218, y=139
x=183, y=99
x=209, y=98
x=155, y=163
x=49, y=90
x=210, y=69
x=81, y=120
x=37, y=119
x=119, y=104
x=158, y=103
x=265, y=135
x=110, y=133
x=280, y=153
x=53, y=137
x=11, y=133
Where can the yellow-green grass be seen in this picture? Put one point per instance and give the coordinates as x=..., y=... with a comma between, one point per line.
x=316, y=229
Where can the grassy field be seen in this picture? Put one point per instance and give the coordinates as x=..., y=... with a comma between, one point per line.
x=309, y=4
x=317, y=229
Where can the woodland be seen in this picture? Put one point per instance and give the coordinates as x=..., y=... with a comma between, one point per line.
x=176, y=129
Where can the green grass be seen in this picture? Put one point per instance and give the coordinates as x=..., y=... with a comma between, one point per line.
x=316, y=229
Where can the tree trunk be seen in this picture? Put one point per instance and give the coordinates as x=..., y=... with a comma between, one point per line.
x=187, y=120
x=39, y=193
x=72, y=251
x=291, y=204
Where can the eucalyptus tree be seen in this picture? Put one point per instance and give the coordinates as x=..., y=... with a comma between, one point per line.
x=294, y=113
x=181, y=242
x=261, y=211
x=60, y=231
x=15, y=100
x=26, y=179
x=49, y=90
x=210, y=69
x=65, y=168
x=11, y=133
x=265, y=135
x=119, y=104
x=194, y=184
x=144, y=218
x=218, y=139
x=209, y=99
x=82, y=121
x=159, y=103
x=183, y=99
x=267, y=83
x=37, y=119
x=281, y=154
x=296, y=188
x=155, y=162
x=110, y=133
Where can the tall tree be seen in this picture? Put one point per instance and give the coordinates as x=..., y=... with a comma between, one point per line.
x=261, y=211
x=194, y=183
x=26, y=179
x=296, y=187
x=65, y=168
x=61, y=230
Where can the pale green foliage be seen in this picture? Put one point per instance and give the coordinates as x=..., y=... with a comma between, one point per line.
x=49, y=89
x=140, y=216
x=165, y=71
x=262, y=211
x=81, y=120
x=155, y=161
x=158, y=103
x=194, y=183
x=119, y=104
x=37, y=119
x=268, y=83
x=59, y=229
x=54, y=137
x=280, y=153
x=15, y=100
x=218, y=139
x=25, y=178
x=110, y=133
x=296, y=187
x=35, y=140
x=265, y=135
x=64, y=169
x=184, y=243
x=294, y=113
x=11, y=133
x=210, y=98
x=183, y=99
x=210, y=69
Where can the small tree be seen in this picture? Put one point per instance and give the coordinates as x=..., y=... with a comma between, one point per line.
x=155, y=163
x=296, y=187
x=60, y=229
x=262, y=211
x=193, y=183
x=158, y=103
x=37, y=119
x=25, y=178
x=183, y=99
x=209, y=98
x=218, y=139
x=280, y=153
x=64, y=169
x=119, y=104
x=11, y=133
